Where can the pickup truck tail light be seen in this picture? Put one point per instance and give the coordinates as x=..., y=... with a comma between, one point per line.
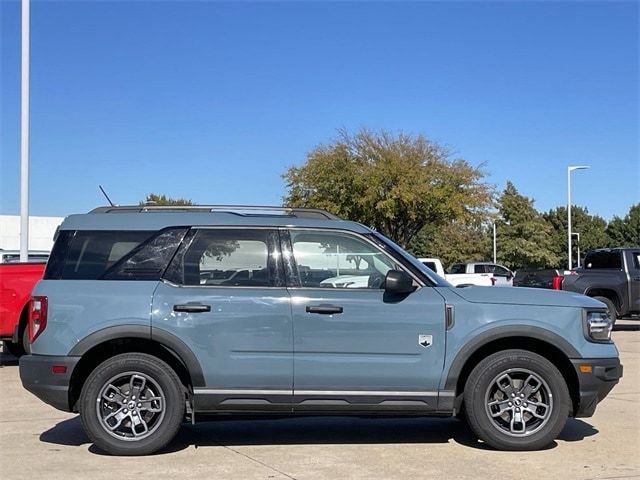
x=37, y=316
x=556, y=282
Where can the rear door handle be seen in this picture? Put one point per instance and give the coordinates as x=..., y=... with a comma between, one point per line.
x=324, y=309
x=192, y=308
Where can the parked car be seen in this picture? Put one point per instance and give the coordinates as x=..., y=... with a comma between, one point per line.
x=539, y=278
x=503, y=276
x=16, y=282
x=13, y=256
x=132, y=328
x=612, y=276
x=459, y=280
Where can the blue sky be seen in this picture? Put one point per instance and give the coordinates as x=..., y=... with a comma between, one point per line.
x=212, y=101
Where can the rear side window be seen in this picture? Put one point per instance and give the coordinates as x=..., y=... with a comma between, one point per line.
x=431, y=266
x=148, y=260
x=227, y=258
x=611, y=260
x=458, y=268
x=480, y=269
x=87, y=255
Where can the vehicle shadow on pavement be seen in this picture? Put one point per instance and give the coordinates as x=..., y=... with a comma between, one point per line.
x=6, y=360
x=626, y=327
x=311, y=431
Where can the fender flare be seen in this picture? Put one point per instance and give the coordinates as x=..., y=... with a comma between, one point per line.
x=498, y=333
x=162, y=337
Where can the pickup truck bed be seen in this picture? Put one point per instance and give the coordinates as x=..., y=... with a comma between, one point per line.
x=16, y=283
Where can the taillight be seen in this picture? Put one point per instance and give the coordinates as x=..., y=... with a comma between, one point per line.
x=556, y=282
x=37, y=316
x=493, y=281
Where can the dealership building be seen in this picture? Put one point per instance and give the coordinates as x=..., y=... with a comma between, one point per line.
x=41, y=231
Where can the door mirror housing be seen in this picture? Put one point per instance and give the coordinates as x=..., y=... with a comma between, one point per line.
x=398, y=282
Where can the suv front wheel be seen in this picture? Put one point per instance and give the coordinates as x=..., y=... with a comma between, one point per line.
x=132, y=404
x=516, y=400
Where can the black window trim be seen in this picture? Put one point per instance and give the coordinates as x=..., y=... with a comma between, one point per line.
x=194, y=230
x=291, y=268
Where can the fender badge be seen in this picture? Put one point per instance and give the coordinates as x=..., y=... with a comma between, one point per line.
x=425, y=340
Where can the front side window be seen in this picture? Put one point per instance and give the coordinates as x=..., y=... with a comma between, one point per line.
x=337, y=260
x=226, y=258
x=457, y=268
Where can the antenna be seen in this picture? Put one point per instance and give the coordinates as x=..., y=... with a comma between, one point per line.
x=106, y=196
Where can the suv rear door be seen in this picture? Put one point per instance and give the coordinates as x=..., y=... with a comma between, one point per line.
x=224, y=296
x=355, y=348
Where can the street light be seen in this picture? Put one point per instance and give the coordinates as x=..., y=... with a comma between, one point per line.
x=570, y=169
x=24, y=134
x=576, y=235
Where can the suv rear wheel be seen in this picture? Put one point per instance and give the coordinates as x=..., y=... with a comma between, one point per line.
x=132, y=404
x=516, y=400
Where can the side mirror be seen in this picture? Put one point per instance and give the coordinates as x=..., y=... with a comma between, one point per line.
x=398, y=282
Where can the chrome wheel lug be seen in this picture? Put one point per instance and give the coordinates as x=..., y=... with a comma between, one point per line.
x=139, y=405
x=511, y=404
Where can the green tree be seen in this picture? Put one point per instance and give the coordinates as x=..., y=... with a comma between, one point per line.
x=395, y=183
x=453, y=242
x=155, y=199
x=625, y=232
x=524, y=237
x=592, y=230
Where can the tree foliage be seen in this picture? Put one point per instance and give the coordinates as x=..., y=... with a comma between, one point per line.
x=453, y=242
x=156, y=199
x=524, y=237
x=625, y=232
x=592, y=230
x=395, y=183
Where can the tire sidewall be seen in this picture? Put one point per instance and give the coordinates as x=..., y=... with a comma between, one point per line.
x=480, y=380
x=161, y=373
x=611, y=307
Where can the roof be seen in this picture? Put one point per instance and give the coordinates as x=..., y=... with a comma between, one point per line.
x=157, y=217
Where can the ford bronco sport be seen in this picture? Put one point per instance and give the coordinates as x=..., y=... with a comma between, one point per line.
x=148, y=316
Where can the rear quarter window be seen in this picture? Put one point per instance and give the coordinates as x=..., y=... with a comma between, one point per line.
x=87, y=255
x=610, y=260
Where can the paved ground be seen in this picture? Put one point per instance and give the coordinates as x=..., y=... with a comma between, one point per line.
x=38, y=442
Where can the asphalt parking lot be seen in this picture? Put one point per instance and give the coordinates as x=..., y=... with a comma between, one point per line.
x=38, y=442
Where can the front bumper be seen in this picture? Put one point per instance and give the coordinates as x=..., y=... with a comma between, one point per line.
x=36, y=374
x=594, y=386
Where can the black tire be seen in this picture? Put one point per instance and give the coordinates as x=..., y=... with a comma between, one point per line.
x=21, y=348
x=497, y=411
x=113, y=379
x=611, y=307
x=15, y=349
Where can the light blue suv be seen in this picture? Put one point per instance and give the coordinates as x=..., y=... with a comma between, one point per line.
x=148, y=316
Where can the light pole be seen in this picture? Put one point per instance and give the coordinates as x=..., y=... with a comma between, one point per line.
x=577, y=237
x=570, y=169
x=24, y=136
x=495, y=249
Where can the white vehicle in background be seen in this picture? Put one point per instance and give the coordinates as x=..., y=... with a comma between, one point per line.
x=459, y=279
x=503, y=276
x=13, y=256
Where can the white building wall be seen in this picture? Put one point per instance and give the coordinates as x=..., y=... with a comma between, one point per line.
x=41, y=230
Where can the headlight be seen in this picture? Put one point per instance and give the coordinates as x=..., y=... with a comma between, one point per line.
x=597, y=326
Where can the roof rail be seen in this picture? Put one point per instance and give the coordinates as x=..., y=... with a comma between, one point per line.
x=244, y=210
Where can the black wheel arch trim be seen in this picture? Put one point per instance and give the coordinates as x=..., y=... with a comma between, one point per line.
x=498, y=333
x=164, y=338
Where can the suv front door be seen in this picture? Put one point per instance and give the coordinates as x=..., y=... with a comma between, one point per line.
x=354, y=347
x=224, y=296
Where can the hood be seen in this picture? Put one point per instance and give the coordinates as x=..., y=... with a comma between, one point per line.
x=526, y=296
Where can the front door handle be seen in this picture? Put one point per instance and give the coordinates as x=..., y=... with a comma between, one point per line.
x=192, y=308
x=324, y=309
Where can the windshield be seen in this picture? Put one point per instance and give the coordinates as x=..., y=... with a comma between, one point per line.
x=436, y=279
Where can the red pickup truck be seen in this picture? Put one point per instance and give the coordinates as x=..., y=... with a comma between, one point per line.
x=16, y=282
